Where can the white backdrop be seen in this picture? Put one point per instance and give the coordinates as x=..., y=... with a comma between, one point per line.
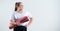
x=46, y=14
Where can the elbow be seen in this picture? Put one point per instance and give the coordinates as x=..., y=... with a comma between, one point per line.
x=31, y=19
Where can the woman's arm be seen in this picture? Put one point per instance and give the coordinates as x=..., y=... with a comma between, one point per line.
x=30, y=21
x=12, y=22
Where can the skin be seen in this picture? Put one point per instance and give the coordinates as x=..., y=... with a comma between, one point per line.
x=20, y=10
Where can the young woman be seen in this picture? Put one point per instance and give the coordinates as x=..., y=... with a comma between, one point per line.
x=18, y=13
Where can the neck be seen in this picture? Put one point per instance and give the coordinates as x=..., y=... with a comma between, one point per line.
x=20, y=11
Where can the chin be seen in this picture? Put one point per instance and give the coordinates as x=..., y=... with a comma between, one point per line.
x=21, y=9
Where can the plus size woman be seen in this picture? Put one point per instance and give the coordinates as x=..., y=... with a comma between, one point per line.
x=19, y=13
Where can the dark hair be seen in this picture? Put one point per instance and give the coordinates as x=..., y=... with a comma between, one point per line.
x=17, y=5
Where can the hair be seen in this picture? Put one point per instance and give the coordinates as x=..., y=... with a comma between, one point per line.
x=17, y=5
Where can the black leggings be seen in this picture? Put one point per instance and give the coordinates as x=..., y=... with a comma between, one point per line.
x=20, y=28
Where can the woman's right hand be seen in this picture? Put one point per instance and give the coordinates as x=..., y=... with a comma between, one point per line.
x=12, y=22
x=15, y=23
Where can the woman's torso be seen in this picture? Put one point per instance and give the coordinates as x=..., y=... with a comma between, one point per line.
x=18, y=15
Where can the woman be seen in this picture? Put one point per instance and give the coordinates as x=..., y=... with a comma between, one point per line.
x=18, y=13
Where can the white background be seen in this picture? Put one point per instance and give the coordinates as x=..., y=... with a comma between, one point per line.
x=46, y=14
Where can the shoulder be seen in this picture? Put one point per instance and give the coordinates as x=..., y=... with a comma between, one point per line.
x=14, y=12
x=28, y=13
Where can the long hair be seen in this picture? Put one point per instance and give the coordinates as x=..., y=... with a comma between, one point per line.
x=17, y=5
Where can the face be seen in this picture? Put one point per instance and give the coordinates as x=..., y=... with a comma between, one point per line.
x=20, y=6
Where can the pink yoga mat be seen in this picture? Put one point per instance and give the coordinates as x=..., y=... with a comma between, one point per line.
x=20, y=20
